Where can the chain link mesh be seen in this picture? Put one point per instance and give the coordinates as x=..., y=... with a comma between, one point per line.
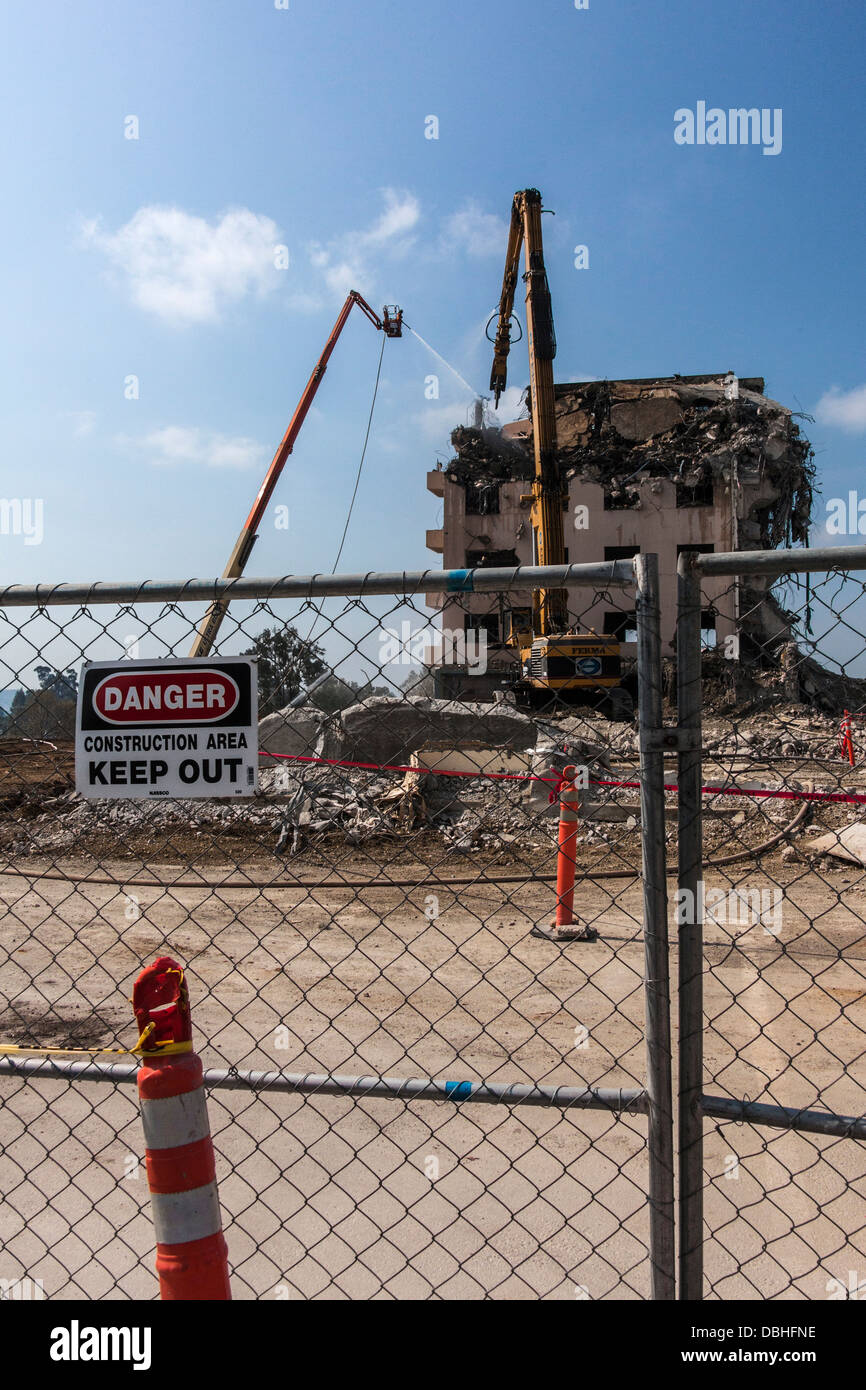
x=784, y=984
x=346, y=921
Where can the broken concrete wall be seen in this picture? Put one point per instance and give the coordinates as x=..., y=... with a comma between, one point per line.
x=697, y=433
x=707, y=462
x=291, y=732
x=388, y=731
x=694, y=431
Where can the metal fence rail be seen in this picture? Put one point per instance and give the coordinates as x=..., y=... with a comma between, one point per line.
x=355, y=935
x=772, y=952
x=412, y=1088
x=411, y=1094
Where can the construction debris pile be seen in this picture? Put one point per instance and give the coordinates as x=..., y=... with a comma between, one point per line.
x=793, y=680
x=691, y=430
x=485, y=456
x=311, y=788
x=68, y=822
x=407, y=733
x=319, y=806
x=779, y=733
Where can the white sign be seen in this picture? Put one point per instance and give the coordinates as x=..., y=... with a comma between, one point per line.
x=173, y=728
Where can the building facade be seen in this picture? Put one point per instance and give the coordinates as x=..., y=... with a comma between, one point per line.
x=658, y=466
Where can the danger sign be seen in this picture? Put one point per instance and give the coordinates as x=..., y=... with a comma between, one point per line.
x=174, y=728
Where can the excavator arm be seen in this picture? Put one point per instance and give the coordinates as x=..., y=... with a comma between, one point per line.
x=391, y=324
x=550, y=607
x=502, y=341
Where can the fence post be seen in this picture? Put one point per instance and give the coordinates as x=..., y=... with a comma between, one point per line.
x=657, y=975
x=691, y=931
x=191, y=1253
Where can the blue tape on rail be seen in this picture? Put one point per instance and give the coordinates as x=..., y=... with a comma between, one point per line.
x=460, y=582
x=458, y=1090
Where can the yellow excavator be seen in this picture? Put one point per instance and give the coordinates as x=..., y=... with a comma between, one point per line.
x=556, y=662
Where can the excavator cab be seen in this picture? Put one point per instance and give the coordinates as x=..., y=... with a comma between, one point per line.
x=392, y=321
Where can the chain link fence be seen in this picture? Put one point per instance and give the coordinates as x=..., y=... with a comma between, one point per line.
x=771, y=918
x=411, y=1095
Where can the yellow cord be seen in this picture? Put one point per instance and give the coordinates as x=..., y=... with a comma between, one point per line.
x=166, y=1049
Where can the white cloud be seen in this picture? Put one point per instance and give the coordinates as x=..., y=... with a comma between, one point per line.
x=176, y=444
x=186, y=269
x=347, y=275
x=402, y=213
x=845, y=409
x=437, y=421
x=475, y=232
x=348, y=262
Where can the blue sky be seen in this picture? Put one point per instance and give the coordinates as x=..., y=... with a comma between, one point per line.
x=305, y=127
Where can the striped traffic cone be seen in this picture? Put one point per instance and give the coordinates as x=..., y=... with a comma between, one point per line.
x=191, y=1252
x=563, y=927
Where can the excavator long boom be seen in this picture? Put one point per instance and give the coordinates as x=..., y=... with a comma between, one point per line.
x=391, y=324
x=550, y=606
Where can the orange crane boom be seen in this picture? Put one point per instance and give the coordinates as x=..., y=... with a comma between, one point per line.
x=391, y=324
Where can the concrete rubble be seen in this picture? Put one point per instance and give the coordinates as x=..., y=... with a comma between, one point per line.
x=849, y=843
x=303, y=805
x=466, y=812
x=706, y=463
x=67, y=821
x=302, y=800
x=381, y=730
x=690, y=430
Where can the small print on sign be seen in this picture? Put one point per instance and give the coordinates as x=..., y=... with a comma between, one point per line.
x=174, y=728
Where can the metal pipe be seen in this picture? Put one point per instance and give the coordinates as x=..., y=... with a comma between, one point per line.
x=784, y=1117
x=841, y=557
x=617, y=1099
x=657, y=984
x=303, y=695
x=617, y=573
x=691, y=1002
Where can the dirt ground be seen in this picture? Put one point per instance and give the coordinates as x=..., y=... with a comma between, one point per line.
x=355, y=1198
x=330, y=1197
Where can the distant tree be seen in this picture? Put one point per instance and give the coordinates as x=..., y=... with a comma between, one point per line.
x=286, y=663
x=421, y=681
x=7, y=700
x=48, y=712
x=63, y=684
x=336, y=694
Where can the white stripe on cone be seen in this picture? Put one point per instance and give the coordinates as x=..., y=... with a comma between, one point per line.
x=182, y=1216
x=175, y=1120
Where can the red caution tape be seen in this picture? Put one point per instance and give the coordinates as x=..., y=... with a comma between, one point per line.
x=555, y=782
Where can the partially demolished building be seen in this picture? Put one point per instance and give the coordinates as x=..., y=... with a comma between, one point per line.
x=659, y=465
